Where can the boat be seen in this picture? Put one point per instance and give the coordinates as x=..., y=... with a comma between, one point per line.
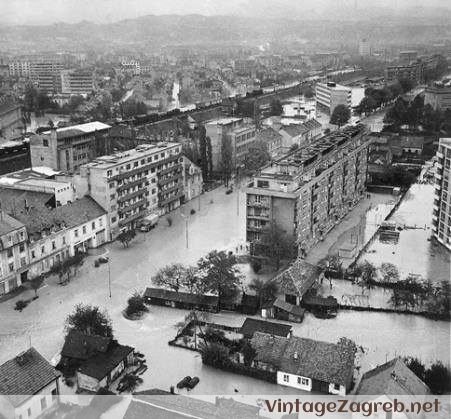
x=184, y=383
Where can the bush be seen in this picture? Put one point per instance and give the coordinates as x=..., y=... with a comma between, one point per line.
x=193, y=211
x=438, y=378
x=216, y=355
x=135, y=305
x=20, y=305
x=256, y=266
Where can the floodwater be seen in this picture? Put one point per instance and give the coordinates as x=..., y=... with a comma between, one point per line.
x=414, y=253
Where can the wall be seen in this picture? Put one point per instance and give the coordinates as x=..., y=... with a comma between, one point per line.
x=339, y=392
x=293, y=381
x=42, y=155
x=34, y=402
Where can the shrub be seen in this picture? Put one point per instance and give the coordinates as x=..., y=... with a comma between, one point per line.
x=193, y=211
x=438, y=378
x=20, y=305
x=215, y=354
x=256, y=266
x=135, y=305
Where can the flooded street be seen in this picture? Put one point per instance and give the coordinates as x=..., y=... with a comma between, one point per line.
x=413, y=253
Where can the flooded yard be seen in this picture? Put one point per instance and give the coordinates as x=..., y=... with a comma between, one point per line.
x=414, y=252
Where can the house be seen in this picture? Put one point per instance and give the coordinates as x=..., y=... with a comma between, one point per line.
x=102, y=369
x=306, y=364
x=271, y=139
x=192, y=179
x=322, y=307
x=252, y=326
x=299, y=134
x=79, y=347
x=29, y=385
x=297, y=280
x=393, y=377
x=281, y=310
x=183, y=300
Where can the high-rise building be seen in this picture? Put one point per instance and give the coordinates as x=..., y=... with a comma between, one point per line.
x=438, y=96
x=364, y=48
x=330, y=95
x=134, y=183
x=441, y=217
x=308, y=191
x=76, y=82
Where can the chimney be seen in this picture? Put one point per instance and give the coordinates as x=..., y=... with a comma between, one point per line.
x=26, y=205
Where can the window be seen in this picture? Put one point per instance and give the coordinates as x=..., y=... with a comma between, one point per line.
x=84, y=229
x=53, y=245
x=100, y=222
x=54, y=394
x=93, y=225
x=111, y=185
x=29, y=411
x=143, y=162
x=43, y=403
x=9, y=252
x=113, y=219
x=303, y=381
x=109, y=173
x=23, y=262
x=22, y=235
x=42, y=250
x=336, y=386
x=33, y=254
x=286, y=378
x=45, y=142
x=112, y=196
x=76, y=233
x=64, y=240
x=11, y=267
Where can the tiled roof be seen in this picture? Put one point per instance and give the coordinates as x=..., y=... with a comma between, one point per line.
x=101, y=364
x=268, y=135
x=393, y=377
x=81, y=346
x=298, y=278
x=181, y=297
x=13, y=200
x=294, y=130
x=8, y=223
x=323, y=361
x=289, y=308
x=38, y=219
x=25, y=375
x=251, y=326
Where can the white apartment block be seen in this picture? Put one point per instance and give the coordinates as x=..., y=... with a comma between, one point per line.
x=330, y=95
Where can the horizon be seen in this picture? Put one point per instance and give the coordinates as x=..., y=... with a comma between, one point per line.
x=48, y=12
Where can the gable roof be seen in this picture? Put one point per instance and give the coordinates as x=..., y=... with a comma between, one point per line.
x=294, y=130
x=8, y=223
x=13, y=200
x=81, y=346
x=268, y=135
x=99, y=365
x=298, y=278
x=393, y=377
x=251, y=326
x=289, y=308
x=323, y=361
x=25, y=375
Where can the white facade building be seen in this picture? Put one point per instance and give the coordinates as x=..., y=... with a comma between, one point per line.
x=330, y=95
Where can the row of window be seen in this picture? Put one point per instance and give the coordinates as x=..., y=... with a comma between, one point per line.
x=85, y=228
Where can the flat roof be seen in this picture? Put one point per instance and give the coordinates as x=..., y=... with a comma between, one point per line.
x=223, y=121
x=46, y=183
x=86, y=128
x=445, y=141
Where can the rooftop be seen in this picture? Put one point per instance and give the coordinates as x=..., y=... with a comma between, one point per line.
x=251, y=326
x=8, y=223
x=81, y=346
x=25, y=375
x=223, y=121
x=393, y=377
x=181, y=297
x=323, y=361
x=75, y=130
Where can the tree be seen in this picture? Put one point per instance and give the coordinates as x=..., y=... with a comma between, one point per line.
x=126, y=237
x=265, y=290
x=438, y=378
x=129, y=382
x=226, y=159
x=135, y=305
x=249, y=353
x=276, y=245
x=89, y=320
x=368, y=275
x=218, y=273
x=406, y=84
x=340, y=115
x=308, y=92
x=416, y=366
x=276, y=107
x=366, y=105
x=191, y=280
x=171, y=276
x=256, y=157
x=35, y=283
x=397, y=114
x=389, y=272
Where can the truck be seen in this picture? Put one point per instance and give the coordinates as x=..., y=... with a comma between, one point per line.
x=148, y=223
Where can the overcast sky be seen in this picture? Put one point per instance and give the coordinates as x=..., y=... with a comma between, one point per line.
x=50, y=11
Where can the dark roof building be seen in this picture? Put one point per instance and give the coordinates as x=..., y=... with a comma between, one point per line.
x=393, y=377
x=78, y=345
x=25, y=375
x=251, y=326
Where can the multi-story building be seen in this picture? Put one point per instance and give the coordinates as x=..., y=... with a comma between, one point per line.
x=19, y=68
x=408, y=57
x=68, y=148
x=330, y=95
x=441, y=217
x=132, y=184
x=76, y=82
x=438, y=96
x=364, y=48
x=11, y=122
x=193, y=181
x=306, y=192
x=413, y=72
x=239, y=134
x=13, y=253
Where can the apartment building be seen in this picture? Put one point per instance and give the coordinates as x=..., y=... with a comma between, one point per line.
x=240, y=135
x=13, y=253
x=412, y=72
x=441, y=217
x=76, y=82
x=11, y=122
x=364, y=48
x=330, y=95
x=193, y=180
x=307, y=191
x=133, y=184
x=68, y=148
x=438, y=96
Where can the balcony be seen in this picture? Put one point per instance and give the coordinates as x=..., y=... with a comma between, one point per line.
x=132, y=195
x=258, y=216
x=172, y=188
x=131, y=184
x=263, y=204
x=141, y=202
x=171, y=199
x=170, y=169
x=162, y=182
x=133, y=217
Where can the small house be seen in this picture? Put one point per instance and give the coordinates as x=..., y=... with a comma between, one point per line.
x=29, y=386
x=306, y=364
x=183, y=300
x=103, y=368
x=251, y=326
x=281, y=310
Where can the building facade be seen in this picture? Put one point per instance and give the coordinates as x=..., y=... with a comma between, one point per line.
x=193, y=181
x=68, y=148
x=438, y=96
x=308, y=191
x=11, y=122
x=330, y=95
x=441, y=217
x=13, y=253
x=364, y=48
x=135, y=183
x=76, y=82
